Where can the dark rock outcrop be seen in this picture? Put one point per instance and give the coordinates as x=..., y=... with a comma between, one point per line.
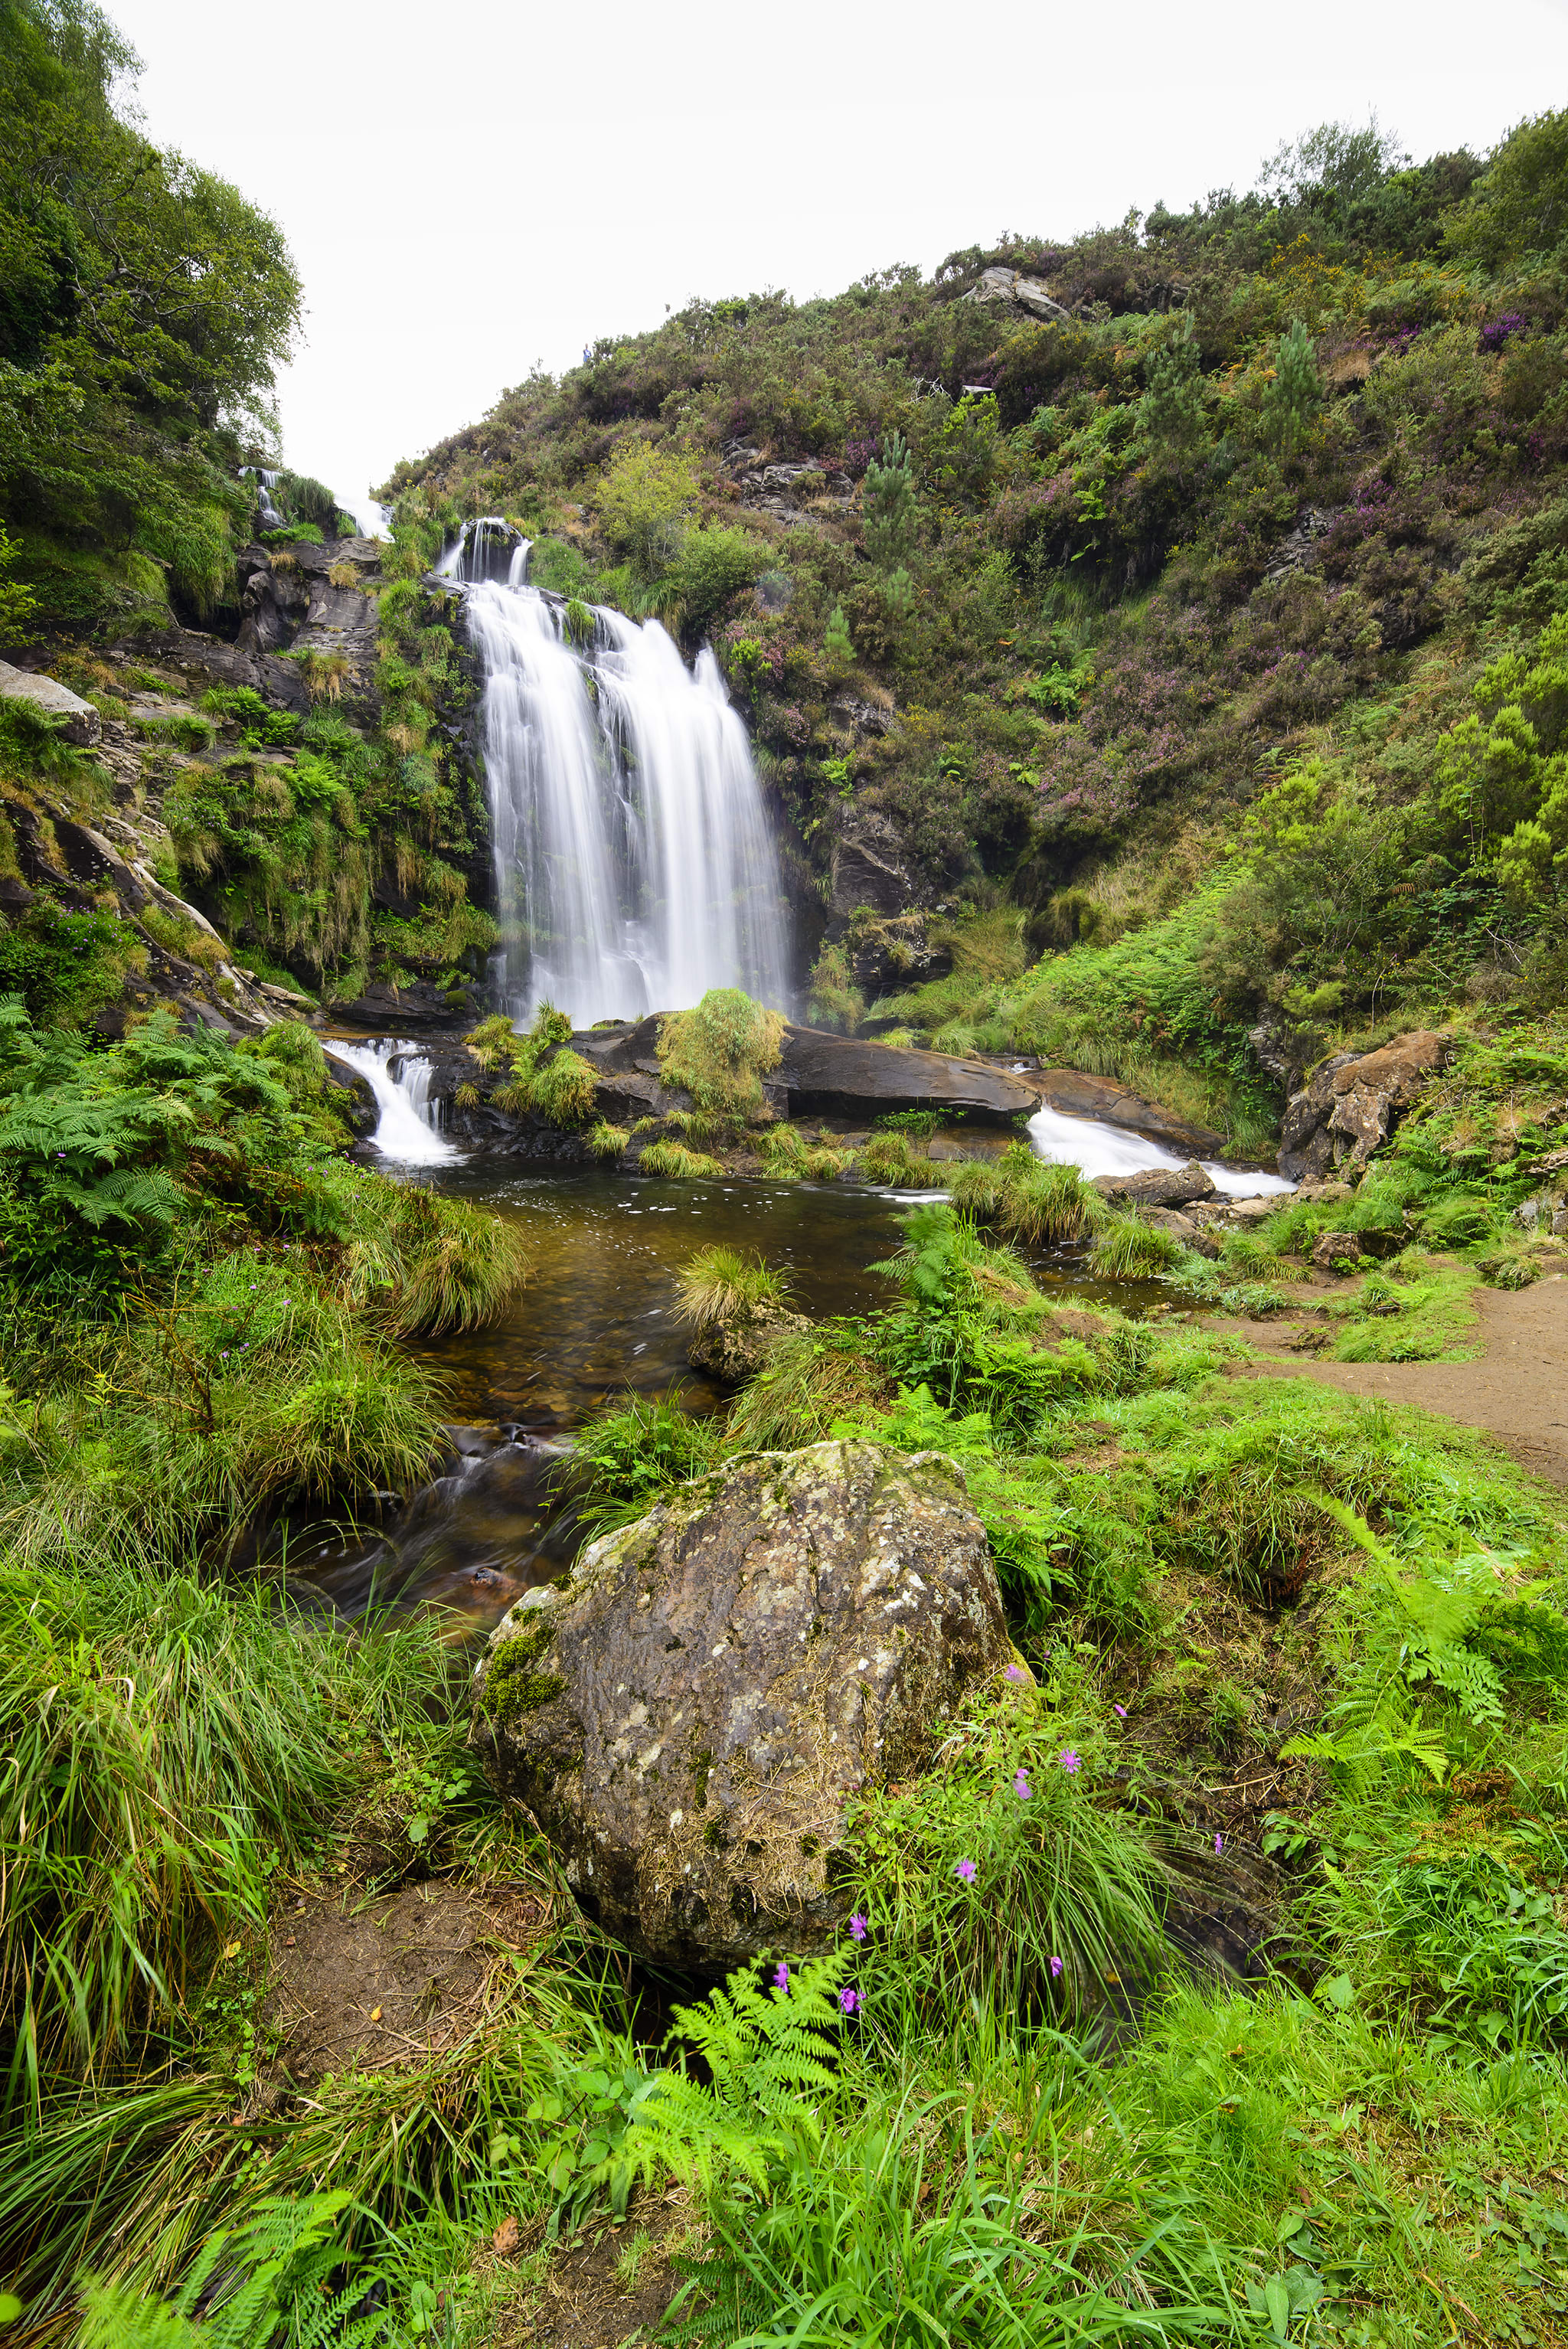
x=689, y=1718
x=1352, y=1102
x=1160, y=1186
x=737, y=1349
x=850, y=1076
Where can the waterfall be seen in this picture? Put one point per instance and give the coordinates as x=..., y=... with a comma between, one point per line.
x=400, y=1076
x=264, y=477
x=635, y=868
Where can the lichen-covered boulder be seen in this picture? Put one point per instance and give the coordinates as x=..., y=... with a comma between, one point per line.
x=689, y=1716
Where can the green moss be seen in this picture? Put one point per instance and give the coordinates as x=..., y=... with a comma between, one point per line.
x=512, y=1686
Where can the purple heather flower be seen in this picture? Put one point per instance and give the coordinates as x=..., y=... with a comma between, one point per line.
x=1219, y=1843
x=1070, y=1760
x=857, y=1928
x=849, y=2000
x=965, y=1868
x=1021, y=1786
x=1120, y=1711
x=1056, y=1969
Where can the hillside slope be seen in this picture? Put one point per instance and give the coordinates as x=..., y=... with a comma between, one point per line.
x=1190, y=590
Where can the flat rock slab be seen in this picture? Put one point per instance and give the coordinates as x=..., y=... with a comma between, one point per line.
x=690, y=1716
x=823, y=1075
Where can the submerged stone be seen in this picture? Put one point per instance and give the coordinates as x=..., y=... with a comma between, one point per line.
x=689, y=1717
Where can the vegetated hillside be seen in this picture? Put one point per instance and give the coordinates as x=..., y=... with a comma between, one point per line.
x=1195, y=589
x=264, y=682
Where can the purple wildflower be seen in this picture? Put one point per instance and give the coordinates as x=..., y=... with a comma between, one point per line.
x=857, y=1928
x=1219, y=1843
x=1021, y=1786
x=1056, y=1969
x=1070, y=1761
x=849, y=2000
x=781, y=1976
x=1015, y=1672
x=1120, y=1711
x=965, y=1869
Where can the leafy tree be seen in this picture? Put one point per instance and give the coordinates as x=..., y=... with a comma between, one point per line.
x=644, y=504
x=145, y=306
x=1331, y=167
x=1520, y=204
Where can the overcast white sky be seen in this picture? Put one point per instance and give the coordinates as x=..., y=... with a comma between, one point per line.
x=471, y=189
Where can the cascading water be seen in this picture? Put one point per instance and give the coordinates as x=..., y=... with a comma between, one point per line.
x=1097, y=1148
x=400, y=1076
x=635, y=869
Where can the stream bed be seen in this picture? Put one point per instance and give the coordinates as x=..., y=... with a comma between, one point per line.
x=597, y=1319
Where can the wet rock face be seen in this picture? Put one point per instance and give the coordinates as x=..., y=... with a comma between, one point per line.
x=689, y=1717
x=736, y=1349
x=1351, y=1102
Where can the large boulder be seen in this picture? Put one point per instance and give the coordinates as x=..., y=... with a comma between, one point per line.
x=819, y=1074
x=690, y=1716
x=52, y=699
x=1351, y=1102
x=1160, y=1186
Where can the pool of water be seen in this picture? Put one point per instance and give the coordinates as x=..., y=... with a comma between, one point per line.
x=597, y=1319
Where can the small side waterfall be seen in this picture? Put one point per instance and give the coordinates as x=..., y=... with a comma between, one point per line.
x=633, y=864
x=400, y=1076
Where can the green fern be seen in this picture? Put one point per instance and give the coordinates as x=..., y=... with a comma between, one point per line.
x=1434, y=1617
x=276, y=2277
x=769, y=2056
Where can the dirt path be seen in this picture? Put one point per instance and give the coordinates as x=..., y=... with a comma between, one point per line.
x=1515, y=1390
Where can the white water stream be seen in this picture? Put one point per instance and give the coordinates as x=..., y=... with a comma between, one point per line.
x=635, y=868
x=400, y=1076
x=1097, y=1148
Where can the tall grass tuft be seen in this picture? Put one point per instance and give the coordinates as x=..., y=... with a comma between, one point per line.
x=721, y=1284
x=165, y=1745
x=1127, y=1248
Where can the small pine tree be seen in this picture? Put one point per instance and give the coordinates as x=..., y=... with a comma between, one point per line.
x=837, y=640
x=898, y=591
x=1171, y=413
x=1293, y=399
x=892, y=518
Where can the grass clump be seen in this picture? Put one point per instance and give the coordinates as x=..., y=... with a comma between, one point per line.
x=720, y=1053
x=722, y=1284
x=1127, y=1248
x=676, y=1163
x=628, y=1455
x=608, y=1142
x=540, y=1073
x=893, y=1160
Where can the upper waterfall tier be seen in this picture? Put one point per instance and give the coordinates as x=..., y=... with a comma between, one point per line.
x=634, y=866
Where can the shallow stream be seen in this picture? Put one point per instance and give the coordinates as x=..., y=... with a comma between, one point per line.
x=598, y=1318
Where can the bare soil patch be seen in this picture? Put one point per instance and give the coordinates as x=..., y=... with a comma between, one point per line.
x=1515, y=1390
x=390, y=1980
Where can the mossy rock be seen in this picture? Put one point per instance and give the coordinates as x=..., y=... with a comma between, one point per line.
x=690, y=1719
